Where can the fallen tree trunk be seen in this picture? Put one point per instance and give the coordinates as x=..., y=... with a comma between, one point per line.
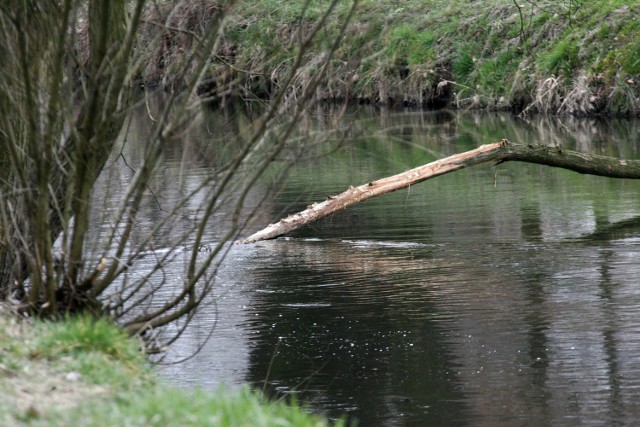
x=498, y=152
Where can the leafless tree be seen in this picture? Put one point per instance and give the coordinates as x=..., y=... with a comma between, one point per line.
x=67, y=75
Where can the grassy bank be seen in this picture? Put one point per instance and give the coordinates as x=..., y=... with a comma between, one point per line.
x=84, y=372
x=574, y=57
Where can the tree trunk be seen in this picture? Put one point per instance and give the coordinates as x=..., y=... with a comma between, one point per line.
x=498, y=152
x=54, y=168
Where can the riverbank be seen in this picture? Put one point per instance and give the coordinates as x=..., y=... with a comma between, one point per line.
x=579, y=58
x=84, y=372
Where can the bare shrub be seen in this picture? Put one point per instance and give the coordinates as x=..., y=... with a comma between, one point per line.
x=59, y=128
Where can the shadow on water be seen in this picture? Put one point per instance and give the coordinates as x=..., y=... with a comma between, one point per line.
x=452, y=302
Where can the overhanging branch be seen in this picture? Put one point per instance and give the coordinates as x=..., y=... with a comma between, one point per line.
x=499, y=152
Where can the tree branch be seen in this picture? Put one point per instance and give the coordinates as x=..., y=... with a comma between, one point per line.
x=499, y=152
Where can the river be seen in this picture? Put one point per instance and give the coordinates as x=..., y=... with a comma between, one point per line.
x=481, y=297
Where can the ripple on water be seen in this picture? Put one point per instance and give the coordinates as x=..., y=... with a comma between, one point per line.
x=456, y=301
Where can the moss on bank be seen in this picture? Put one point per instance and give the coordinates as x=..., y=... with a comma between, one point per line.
x=84, y=372
x=549, y=58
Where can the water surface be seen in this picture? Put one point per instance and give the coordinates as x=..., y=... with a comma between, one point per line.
x=457, y=301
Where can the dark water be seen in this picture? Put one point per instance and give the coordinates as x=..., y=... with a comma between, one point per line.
x=455, y=302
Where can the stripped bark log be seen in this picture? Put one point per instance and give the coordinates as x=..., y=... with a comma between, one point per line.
x=498, y=152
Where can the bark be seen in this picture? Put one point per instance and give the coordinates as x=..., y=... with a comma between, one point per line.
x=55, y=170
x=498, y=152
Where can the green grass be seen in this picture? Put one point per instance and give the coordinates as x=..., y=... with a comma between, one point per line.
x=97, y=349
x=170, y=407
x=411, y=45
x=462, y=65
x=404, y=49
x=87, y=372
x=561, y=59
x=630, y=60
x=85, y=334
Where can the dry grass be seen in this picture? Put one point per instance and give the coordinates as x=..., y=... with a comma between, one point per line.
x=548, y=96
x=581, y=99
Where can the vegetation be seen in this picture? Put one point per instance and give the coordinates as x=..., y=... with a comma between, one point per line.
x=494, y=54
x=83, y=371
x=65, y=98
x=69, y=79
x=65, y=91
